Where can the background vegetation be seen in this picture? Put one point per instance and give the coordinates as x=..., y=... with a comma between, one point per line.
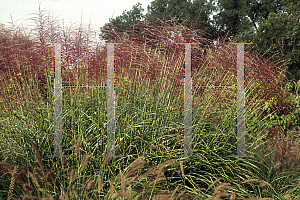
x=149, y=118
x=271, y=25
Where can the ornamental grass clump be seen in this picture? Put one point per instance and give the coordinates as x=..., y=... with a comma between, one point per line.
x=149, y=119
x=51, y=190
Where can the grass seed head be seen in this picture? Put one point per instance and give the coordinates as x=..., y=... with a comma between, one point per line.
x=6, y=166
x=27, y=197
x=38, y=173
x=130, y=181
x=221, y=187
x=157, y=180
x=34, y=180
x=288, y=197
x=71, y=175
x=251, y=180
x=49, y=174
x=13, y=198
x=77, y=149
x=111, y=188
x=108, y=158
x=119, y=194
x=99, y=183
x=224, y=194
x=63, y=161
x=49, y=184
x=27, y=187
x=85, y=160
x=262, y=184
x=162, y=197
x=90, y=184
x=18, y=177
x=181, y=167
x=74, y=192
x=34, y=148
x=129, y=175
x=39, y=160
x=149, y=172
x=232, y=196
x=129, y=191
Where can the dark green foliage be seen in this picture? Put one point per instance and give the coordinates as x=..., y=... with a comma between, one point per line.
x=191, y=14
x=278, y=37
x=124, y=22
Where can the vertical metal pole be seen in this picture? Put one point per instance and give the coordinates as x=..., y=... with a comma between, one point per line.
x=58, y=103
x=188, y=146
x=110, y=101
x=240, y=130
x=188, y=103
x=240, y=101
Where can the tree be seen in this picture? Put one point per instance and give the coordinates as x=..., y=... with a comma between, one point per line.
x=181, y=10
x=229, y=17
x=195, y=14
x=190, y=14
x=292, y=7
x=124, y=22
x=238, y=16
x=279, y=35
